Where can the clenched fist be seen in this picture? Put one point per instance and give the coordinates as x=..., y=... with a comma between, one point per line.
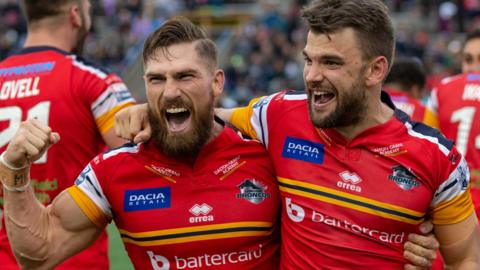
x=29, y=143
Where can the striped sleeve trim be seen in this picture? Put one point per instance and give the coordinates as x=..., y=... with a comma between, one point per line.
x=454, y=185
x=91, y=210
x=107, y=120
x=89, y=184
x=453, y=211
x=430, y=134
x=116, y=94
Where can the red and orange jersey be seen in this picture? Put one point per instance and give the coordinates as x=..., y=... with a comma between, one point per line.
x=412, y=107
x=456, y=103
x=221, y=212
x=74, y=98
x=351, y=204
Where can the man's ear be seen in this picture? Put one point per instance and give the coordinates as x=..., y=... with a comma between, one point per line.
x=376, y=71
x=218, y=83
x=74, y=15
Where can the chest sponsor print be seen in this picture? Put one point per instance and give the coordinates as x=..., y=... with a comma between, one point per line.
x=303, y=150
x=147, y=199
x=253, y=191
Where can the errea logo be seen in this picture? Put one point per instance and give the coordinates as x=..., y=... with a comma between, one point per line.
x=349, y=181
x=200, y=213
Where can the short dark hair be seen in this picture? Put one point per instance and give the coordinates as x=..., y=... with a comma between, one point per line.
x=179, y=30
x=369, y=19
x=470, y=36
x=407, y=72
x=36, y=10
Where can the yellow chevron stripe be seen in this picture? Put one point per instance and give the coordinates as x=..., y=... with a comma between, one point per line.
x=196, y=238
x=198, y=228
x=349, y=204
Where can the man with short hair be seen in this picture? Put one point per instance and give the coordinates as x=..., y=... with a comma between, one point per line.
x=356, y=175
x=47, y=81
x=471, y=53
x=198, y=195
x=405, y=84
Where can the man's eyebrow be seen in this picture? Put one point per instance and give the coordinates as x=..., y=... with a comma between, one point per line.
x=154, y=74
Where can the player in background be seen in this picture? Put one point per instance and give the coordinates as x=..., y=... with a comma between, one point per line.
x=456, y=104
x=48, y=82
x=196, y=196
x=405, y=84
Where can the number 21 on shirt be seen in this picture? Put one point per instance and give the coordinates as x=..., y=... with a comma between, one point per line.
x=13, y=114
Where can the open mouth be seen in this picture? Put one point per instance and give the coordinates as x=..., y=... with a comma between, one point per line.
x=178, y=119
x=321, y=98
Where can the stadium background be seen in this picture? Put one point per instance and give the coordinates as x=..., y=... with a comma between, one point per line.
x=260, y=43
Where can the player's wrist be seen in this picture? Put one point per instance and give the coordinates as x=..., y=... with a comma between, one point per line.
x=10, y=165
x=13, y=178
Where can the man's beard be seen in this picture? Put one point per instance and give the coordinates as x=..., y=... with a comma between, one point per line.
x=185, y=144
x=350, y=108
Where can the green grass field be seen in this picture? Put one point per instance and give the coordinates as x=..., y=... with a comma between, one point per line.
x=118, y=256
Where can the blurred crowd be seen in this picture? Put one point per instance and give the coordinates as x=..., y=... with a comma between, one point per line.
x=265, y=54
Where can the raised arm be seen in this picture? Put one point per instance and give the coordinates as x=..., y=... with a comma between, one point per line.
x=41, y=237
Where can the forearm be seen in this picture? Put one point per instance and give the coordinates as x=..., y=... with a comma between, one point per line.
x=224, y=114
x=464, y=252
x=25, y=218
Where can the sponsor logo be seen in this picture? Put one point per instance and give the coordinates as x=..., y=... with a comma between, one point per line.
x=403, y=178
x=349, y=181
x=146, y=199
x=297, y=214
x=205, y=260
x=83, y=175
x=462, y=176
x=226, y=169
x=253, y=191
x=158, y=262
x=262, y=102
x=30, y=69
x=391, y=150
x=167, y=173
x=303, y=150
x=200, y=213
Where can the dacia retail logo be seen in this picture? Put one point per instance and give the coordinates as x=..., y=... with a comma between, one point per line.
x=303, y=150
x=146, y=199
x=403, y=178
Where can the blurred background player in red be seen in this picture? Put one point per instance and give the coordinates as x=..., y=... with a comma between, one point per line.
x=47, y=81
x=456, y=103
x=405, y=83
